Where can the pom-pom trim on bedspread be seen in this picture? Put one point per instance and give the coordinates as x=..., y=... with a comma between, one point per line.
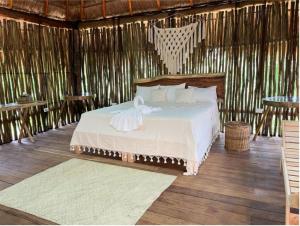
x=191, y=166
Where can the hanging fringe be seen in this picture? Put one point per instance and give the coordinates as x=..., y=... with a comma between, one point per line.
x=150, y=158
x=174, y=45
x=203, y=30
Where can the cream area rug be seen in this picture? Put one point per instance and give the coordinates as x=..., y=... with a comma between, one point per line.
x=86, y=192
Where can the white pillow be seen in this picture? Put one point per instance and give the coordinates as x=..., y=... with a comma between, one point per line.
x=208, y=94
x=159, y=95
x=185, y=96
x=145, y=92
x=171, y=91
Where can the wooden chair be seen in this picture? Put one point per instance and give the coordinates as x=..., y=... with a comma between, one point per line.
x=290, y=169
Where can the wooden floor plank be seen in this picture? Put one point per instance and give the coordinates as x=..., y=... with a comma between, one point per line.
x=231, y=188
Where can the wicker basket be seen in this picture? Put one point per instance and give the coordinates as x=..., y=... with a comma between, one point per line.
x=237, y=136
x=24, y=99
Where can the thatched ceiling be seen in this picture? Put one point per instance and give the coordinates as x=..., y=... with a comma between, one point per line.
x=83, y=10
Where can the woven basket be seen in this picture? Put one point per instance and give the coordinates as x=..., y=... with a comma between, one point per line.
x=24, y=99
x=237, y=136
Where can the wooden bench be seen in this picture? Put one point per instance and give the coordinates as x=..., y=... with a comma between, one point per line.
x=290, y=169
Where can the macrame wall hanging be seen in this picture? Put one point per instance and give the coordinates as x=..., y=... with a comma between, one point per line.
x=174, y=45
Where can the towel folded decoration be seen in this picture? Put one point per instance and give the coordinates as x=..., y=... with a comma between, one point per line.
x=132, y=118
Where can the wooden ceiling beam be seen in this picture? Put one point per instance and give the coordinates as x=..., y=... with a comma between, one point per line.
x=10, y=4
x=195, y=8
x=158, y=4
x=130, y=7
x=103, y=8
x=67, y=9
x=46, y=5
x=35, y=18
x=81, y=9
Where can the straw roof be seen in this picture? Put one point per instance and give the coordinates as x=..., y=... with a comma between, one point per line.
x=85, y=10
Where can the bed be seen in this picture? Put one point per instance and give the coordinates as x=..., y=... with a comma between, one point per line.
x=181, y=133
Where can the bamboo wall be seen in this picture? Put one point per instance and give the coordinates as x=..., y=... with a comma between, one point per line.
x=257, y=47
x=36, y=61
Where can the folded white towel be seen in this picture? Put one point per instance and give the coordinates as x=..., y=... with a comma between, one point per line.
x=132, y=118
x=127, y=120
x=144, y=108
x=136, y=101
x=147, y=109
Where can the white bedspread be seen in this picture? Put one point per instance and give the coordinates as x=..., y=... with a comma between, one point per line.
x=182, y=131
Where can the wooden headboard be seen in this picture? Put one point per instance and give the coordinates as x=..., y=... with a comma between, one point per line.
x=198, y=80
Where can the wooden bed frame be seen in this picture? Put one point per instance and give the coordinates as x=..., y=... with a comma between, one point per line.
x=197, y=80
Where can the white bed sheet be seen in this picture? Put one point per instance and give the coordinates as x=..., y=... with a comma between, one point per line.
x=182, y=131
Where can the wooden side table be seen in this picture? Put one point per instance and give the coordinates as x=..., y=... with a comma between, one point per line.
x=23, y=110
x=67, y=99
x=276, y=101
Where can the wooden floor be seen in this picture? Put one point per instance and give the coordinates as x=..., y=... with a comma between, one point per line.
x=231, y=188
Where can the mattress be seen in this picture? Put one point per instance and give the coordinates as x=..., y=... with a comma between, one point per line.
x=179, y=131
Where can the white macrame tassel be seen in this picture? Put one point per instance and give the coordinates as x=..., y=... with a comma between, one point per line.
x=203, y=36
x=184, y=164
x=158, y=161
x=191, y=43
x=200, y=32
x=195, y=39
x=150, y=33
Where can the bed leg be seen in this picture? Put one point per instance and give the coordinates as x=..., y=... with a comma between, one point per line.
x=127, y=157
x=130, y=157
x=124, y=157
x=77, y=150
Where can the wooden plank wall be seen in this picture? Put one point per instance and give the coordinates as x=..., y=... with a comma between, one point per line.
x=36, y=61
x=257, y=47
